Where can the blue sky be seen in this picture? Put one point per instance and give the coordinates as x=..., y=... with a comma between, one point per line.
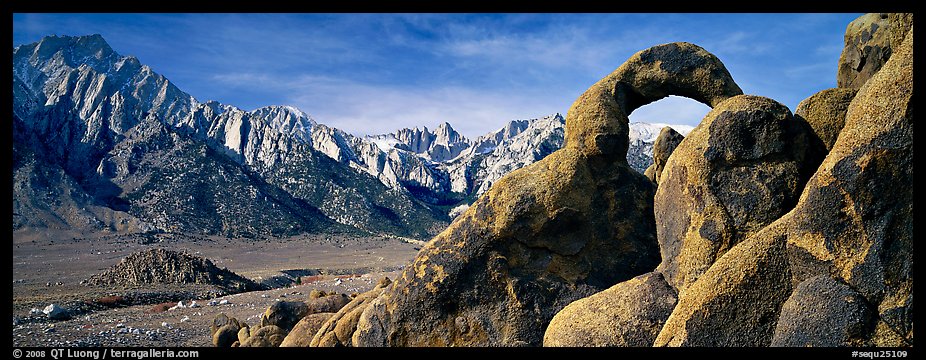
x=375, y=73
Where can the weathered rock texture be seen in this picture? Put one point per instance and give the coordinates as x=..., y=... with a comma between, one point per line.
x=737, y=301
x=740, y=169
x=846, y=245
x=284, y=314
x=265, y=336
x=868, y=46
x=305, y=329
x=825, y=112
x=339, y=328
x=572, y=224
x=665, y=144
x=627, y=314
x=823, y=312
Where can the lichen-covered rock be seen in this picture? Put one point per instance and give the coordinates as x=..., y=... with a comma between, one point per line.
x=825, y=112
x=627, y=314
x=855, y=218
x=339, y=328
x=737, y=301
x=867, y=48
x=305, y=329
x=572, y=224
x=225, y=335
x=743, y=167
x=284, y=314
x=265, y=336
x=823, y=312
x=851, y=234
x=330, y=303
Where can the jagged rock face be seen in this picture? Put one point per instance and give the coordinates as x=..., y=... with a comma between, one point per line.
x=868, y=46
x=663, y=147
x=537, y=241
x=823, y=312
x=82, y=101
x=161, y=266
x=181, y=185
x=627, y=314
x=740, y=169
x=825, y=112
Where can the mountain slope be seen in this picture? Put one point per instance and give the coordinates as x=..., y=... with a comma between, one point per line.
x=81, y=100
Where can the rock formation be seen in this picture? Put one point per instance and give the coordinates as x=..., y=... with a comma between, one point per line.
x=301, y=335
x=616, y=316
x=782, y=262
x=536, y=240
x=847, y=241
x=825, y=112
x=868, y=46
x=664, y=145
x=162, y=266
x=740, y=169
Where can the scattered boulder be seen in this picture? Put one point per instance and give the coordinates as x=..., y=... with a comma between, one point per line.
x=867, y=48
x=330, y=303
x=305, y=330
x=824, y=312
x=221, y=320
x=664, y=145
x=536, y=241
x=162, y=266
x=225, y=335
x=284, y=314
x=743, y=167
x=627, y=314
x=265, y=336
x=825, y=112
x=340, y=327
x=55, y=312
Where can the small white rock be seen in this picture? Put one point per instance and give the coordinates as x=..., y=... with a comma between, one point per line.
x=164, y=324
x=194, y=304
x=264, y=296
x=136, y=331
x=223, y=302
x=185, y=319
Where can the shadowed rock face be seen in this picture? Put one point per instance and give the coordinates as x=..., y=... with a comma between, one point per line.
x=561, y=229
x=825, y=112
x=823, y=312
x=663, y=147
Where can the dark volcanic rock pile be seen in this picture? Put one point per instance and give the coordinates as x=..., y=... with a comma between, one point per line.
x=161, y=266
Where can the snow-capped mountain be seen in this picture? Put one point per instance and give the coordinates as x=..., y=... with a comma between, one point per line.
x=101, y=141
x=78, y=106
x=642, y=136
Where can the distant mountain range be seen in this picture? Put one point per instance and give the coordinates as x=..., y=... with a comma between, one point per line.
x=102, y=142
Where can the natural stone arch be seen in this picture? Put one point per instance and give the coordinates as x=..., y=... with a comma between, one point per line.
x=568, y=226
x=597, y=122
